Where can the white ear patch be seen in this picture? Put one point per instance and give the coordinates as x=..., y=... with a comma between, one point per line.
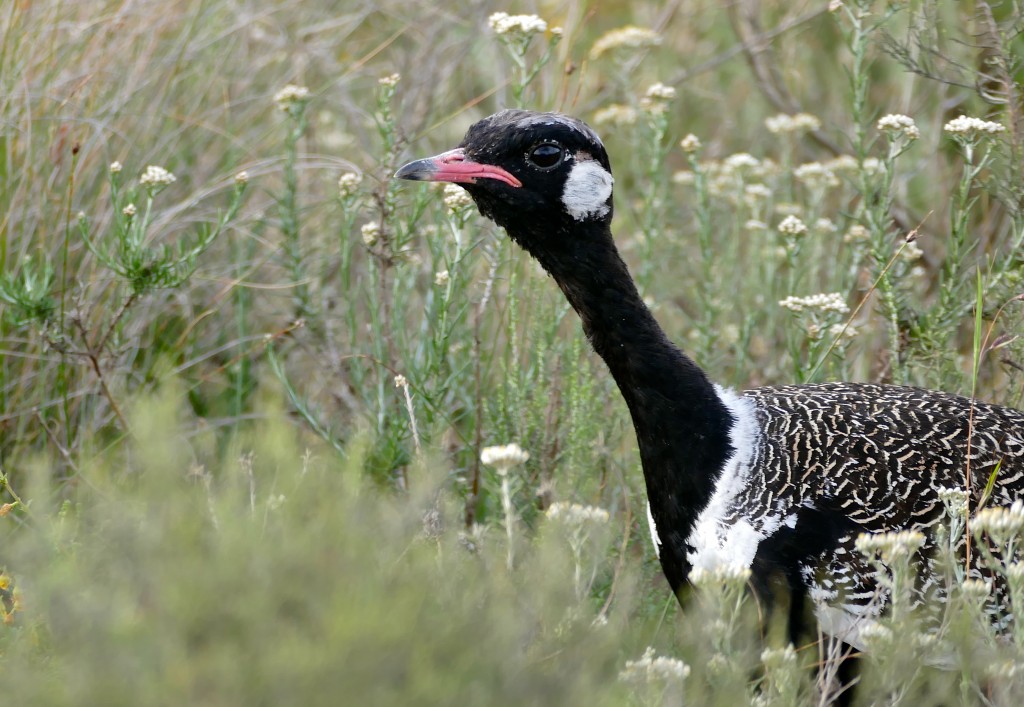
x=587, y=190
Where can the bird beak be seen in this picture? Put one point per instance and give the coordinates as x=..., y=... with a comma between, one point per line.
x=454, y=166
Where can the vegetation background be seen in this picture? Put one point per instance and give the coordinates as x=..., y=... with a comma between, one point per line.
x=242, y=416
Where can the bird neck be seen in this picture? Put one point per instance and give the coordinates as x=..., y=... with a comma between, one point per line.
x=681, y=423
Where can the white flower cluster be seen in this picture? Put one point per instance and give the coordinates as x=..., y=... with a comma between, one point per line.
x=615, y=114
x=723, y=573
x=876, y=636
x=792, y=226
x=824, y=225
x=628, y=36
x=842, y=163
x=690, y=143
x=576, y=514
x=740, y=161
x=968, y=127
x=115, y=167
x=389, y=81
x=129, y=211
x=783, y=123
x=911, y=251
x=856, y=234
x=1015, y=573
x=776, y=658
x=825, y=302
x=842, y=331
x=815, y=175
x=291, y=95
x=456, y=198
x=242, y=177
x=651, y=668
x=975, y=589
x=896, y=124
x=504, y=456
x=756, y=193
x=872, y=165
x=527, y=25
x=1000, y=523
x=441, y=278
x=660, y=92
x=156, y=177
x=890, y=546
x=657, y=97
x=954, y=499
x=371, y=233
x=348, y=183
x=684, y=177
x=401, y=381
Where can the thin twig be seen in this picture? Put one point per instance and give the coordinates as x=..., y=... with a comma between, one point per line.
x=867, y=295
x=94, y=359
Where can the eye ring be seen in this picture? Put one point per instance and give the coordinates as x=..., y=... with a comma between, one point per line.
x=545, y=156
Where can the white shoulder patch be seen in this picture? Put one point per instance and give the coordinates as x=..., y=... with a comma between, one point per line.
x=587, y=190
x=716, y=541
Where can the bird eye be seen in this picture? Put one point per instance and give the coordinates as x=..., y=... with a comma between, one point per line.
x=545, y=156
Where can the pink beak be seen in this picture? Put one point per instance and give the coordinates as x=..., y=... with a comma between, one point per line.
x=454, y=166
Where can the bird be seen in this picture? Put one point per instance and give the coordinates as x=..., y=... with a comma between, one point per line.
x=778, y=480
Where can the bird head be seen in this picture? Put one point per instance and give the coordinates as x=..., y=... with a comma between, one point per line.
x=538, y=175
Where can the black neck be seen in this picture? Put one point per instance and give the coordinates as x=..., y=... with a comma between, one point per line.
x=682, y=426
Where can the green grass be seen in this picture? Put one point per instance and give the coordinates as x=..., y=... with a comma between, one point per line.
x=212, y=493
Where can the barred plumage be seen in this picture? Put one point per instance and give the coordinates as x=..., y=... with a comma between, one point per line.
x=781, y=480
x=874, y=458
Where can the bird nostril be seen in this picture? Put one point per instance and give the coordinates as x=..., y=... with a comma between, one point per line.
x=453, y=156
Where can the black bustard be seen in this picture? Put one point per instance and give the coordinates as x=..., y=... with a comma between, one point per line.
x=781, y=480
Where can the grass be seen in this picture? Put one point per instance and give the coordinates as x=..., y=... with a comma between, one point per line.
x=214, y=491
